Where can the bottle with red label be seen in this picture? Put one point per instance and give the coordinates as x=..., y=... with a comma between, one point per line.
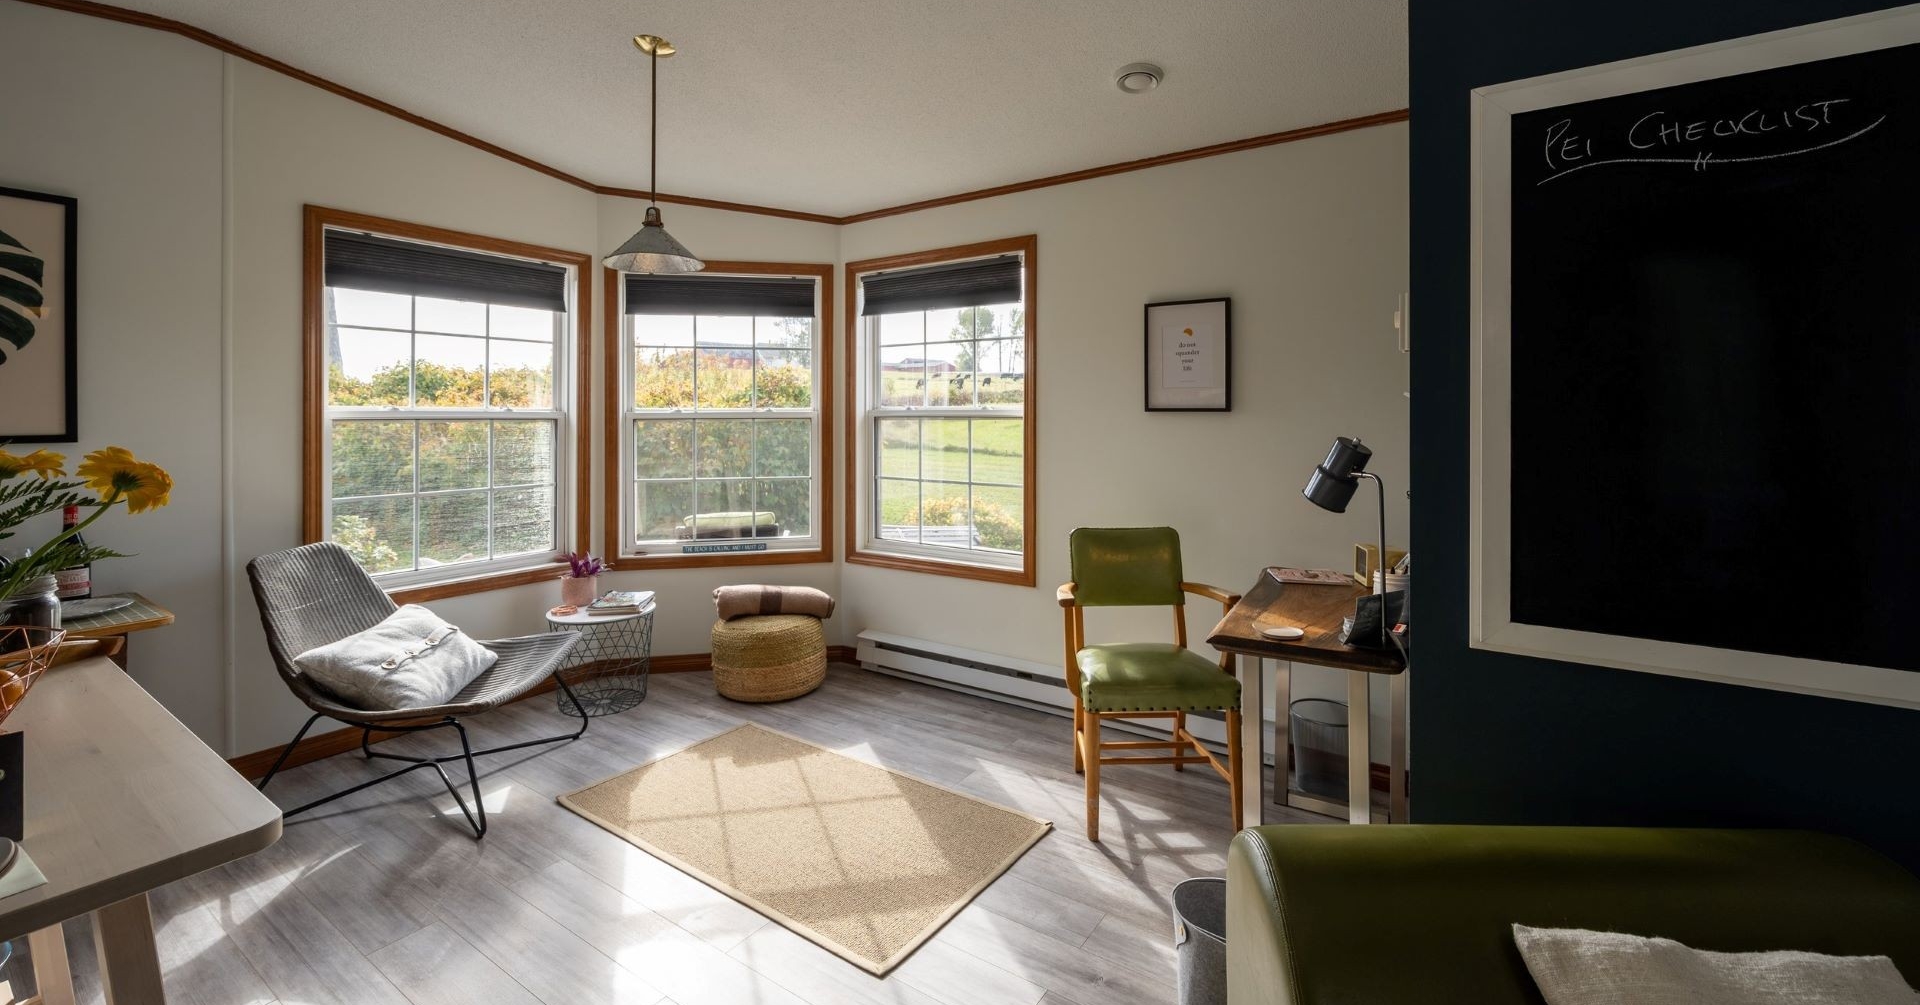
x=75, y=583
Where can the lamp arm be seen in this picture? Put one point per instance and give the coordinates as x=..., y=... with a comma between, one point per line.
x=1381, y=488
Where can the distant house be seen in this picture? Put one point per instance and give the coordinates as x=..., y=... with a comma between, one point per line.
x=914, y=364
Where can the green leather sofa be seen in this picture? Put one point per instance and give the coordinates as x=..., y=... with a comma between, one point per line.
x=1337, y=915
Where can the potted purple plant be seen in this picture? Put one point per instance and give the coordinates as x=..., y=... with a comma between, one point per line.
x=582, y=580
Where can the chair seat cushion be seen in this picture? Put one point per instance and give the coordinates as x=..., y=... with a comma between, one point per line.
x=1153, y=677
x=412, y=659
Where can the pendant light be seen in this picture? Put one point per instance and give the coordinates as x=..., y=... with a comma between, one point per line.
x=652, y=250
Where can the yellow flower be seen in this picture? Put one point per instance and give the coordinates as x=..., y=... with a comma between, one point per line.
x=112, y=471
x=44, y=463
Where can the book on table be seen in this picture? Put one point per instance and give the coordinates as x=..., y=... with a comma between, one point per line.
x=621, y=602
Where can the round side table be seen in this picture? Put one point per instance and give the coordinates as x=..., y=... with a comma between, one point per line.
x=607, y=669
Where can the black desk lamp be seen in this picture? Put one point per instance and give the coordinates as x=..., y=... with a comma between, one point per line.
x=1332, y=486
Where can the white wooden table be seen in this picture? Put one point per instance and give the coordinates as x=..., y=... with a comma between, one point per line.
x=120, y=799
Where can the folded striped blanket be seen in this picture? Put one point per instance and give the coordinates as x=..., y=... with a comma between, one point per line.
x=750, y=601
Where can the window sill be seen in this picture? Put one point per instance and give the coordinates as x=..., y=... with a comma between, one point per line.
x=936, y=567
x=416, y=593
x=628, y=561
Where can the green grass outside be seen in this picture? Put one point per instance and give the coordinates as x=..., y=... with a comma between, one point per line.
x=900, y=389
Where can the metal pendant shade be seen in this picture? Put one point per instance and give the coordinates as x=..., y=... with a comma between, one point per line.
x=651, y=249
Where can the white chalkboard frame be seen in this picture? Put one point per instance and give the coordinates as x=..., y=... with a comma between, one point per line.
x=1490, y=626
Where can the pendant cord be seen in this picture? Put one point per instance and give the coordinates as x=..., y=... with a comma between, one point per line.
x=653, y=126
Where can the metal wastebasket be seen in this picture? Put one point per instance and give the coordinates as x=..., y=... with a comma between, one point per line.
x=1200, y=940
x=1318, y=732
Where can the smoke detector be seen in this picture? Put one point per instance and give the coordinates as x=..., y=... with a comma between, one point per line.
x=1138, y=78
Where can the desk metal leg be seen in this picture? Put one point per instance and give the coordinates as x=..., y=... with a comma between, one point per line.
x=129, y=961
x=1282, y=731
x=1252, y=739
x=1359, y=749
x=1397, y=749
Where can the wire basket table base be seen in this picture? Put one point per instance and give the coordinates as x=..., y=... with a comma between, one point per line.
x=607, y=670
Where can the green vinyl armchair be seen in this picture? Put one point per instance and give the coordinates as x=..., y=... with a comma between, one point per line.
x=1140, y=567
x=1423, y=914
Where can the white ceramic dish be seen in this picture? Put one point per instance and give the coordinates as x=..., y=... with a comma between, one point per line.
x=93, y=606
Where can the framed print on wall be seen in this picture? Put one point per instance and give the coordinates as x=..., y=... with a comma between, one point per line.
x=1189, y=356
x=38, y=378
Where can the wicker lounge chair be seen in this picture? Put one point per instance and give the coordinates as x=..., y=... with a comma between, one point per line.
x=317, y=594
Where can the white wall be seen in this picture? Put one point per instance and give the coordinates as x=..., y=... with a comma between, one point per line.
x=191, y=169
x=128, y=121
x=294, y=144
x=1310, y=241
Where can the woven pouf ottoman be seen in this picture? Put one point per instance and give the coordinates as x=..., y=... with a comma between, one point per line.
x=768, y=658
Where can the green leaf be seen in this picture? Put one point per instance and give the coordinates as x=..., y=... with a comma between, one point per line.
x=11, y=241
x=17, y=322
x=26, y=264
x=25, y=294
x=15, y=328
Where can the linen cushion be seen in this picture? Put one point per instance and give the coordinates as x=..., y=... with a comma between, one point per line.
x=756, y=601
x=1577, y=967
x=412, y=659
x=1153, y=677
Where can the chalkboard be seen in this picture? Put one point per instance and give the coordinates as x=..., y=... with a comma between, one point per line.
x=1715, y=337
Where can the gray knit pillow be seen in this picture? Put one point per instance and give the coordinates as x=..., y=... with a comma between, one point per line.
x=1576, y=967
x=411, y=660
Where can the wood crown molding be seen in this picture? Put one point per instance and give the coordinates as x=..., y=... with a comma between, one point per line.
x=157, y=23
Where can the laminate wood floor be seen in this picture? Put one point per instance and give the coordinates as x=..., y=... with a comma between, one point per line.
x=384, y=897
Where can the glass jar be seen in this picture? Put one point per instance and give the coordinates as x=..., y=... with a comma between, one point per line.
x=34, y=605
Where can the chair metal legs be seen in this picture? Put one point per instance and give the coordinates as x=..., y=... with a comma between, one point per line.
x=476, y=814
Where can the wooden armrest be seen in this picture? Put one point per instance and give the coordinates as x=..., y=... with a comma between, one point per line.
x=1065, y=594
x=1227, y=600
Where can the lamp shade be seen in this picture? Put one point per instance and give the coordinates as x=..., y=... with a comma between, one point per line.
x=653, y=251
x=1333, y=482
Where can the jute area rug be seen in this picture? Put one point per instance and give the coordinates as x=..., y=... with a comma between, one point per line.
x=864, y=861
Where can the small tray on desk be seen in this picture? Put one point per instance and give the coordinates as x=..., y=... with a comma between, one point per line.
x=139, y=615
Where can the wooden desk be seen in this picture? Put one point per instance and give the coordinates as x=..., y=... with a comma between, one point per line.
x=1318, y=610
x=120, y=799
x=142, y=615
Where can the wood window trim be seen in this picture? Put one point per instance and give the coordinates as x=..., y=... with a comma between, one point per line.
x=314, y=385
x=1027, y=247
x=618, y=554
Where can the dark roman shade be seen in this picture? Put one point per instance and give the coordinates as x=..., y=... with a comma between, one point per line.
x=385, y=265
x=938, y=287
x=759, y=296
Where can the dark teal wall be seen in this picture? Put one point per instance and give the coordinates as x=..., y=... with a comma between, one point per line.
x=1512, y=740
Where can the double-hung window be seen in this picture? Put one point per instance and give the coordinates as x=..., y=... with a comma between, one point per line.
x=944, y=446
x=444, y=438
x=723, y=455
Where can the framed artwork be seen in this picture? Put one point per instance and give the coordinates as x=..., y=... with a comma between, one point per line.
x=1189, y=356
x=38, y=378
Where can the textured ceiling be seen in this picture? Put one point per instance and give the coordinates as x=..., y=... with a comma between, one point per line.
x=839, y=106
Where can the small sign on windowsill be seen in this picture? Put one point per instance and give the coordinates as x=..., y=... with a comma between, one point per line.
x=708, y=549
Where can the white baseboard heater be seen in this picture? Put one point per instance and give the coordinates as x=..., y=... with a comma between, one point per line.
x=1003, y=678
